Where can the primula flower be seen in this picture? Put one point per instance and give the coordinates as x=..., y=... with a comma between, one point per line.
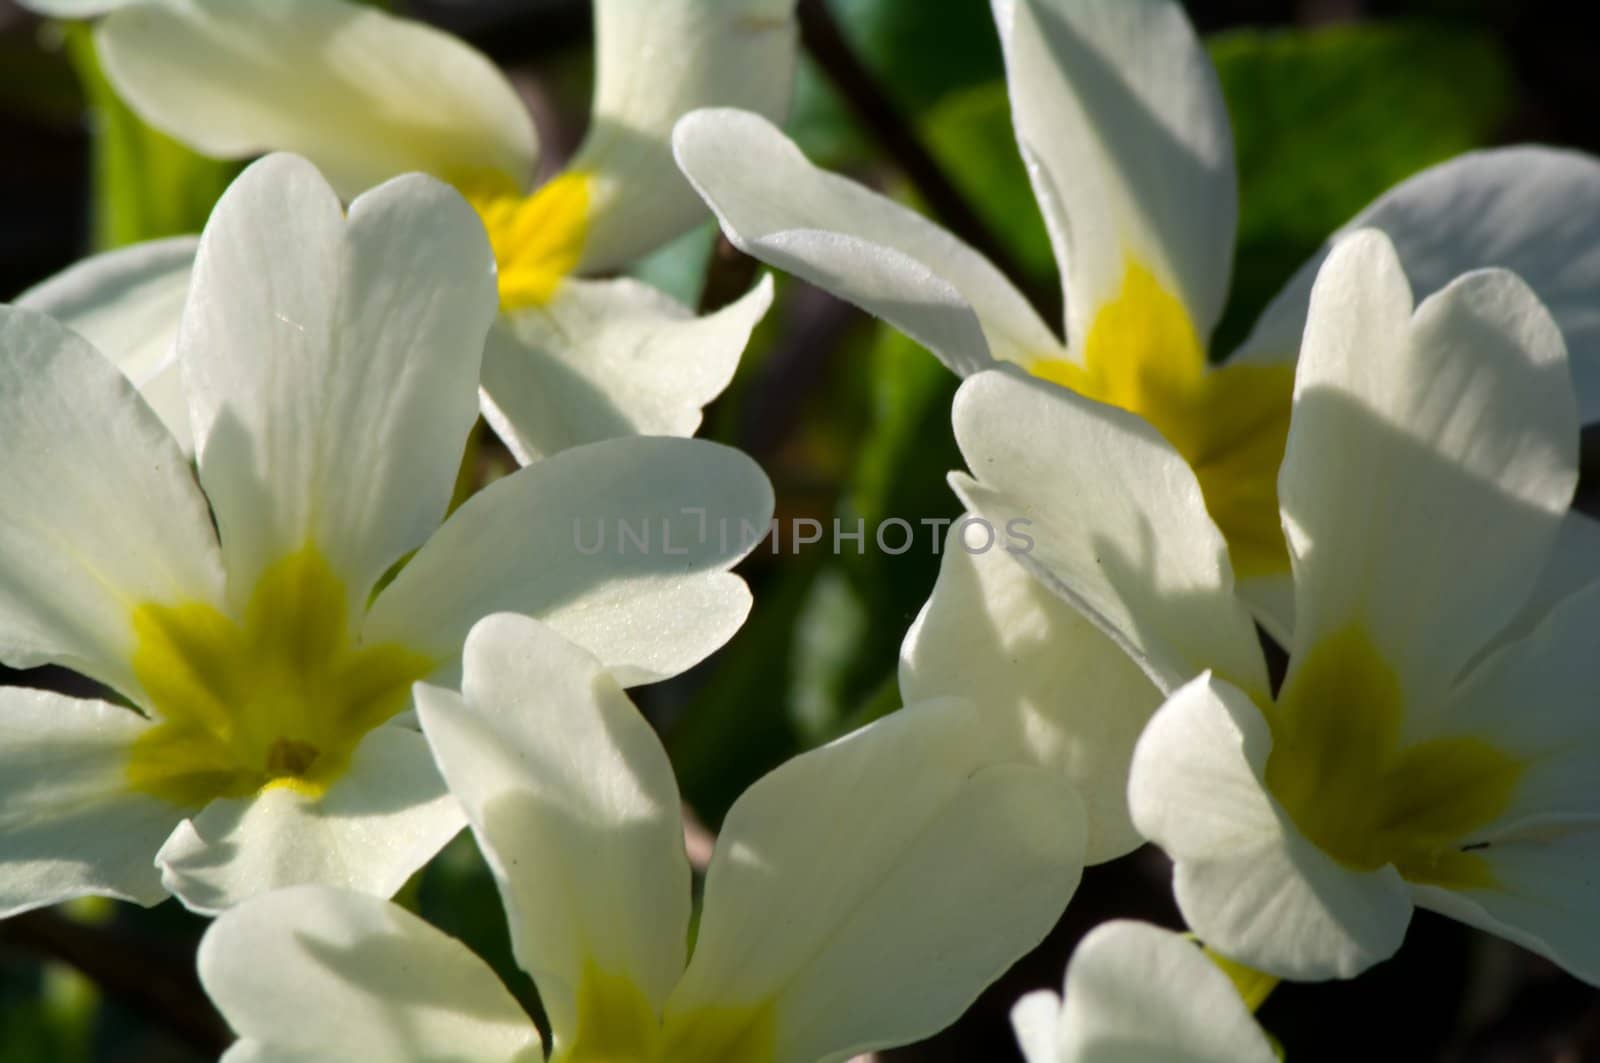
x=1434, y=741
x=368, y=96
x=1120, y=117
x=1135, y=993
x=860, y=895
x=1417, y=754
x=251, y=619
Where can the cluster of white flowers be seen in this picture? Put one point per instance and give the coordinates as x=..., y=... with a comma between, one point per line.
x=229, y=464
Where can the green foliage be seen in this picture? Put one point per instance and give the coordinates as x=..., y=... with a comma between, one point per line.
x=1325, y=120
x=921, y=55
x=971, y=136
x=53, y=1020
x=146, y=185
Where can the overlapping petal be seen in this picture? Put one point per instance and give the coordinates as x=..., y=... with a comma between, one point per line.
x=1135, y=992
x=323, y=975
x=364, y=95
x=921, y=867
x=575, y=806
x=861, y=246
x=610, y=358
x=380, y=821
x=655, y=63
x=1531, y=210
x=1408, y=431
x=1120, y=527
x=623, y=547
x=1061, y=692
x=1121, y=117
x=102, y=512
x=70, y=825
x=127, y=304
x=1246, y=880
x=332, y=366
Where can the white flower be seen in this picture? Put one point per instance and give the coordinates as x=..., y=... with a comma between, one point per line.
x=860, y=896
x=1434, y=742
x=1138, y=994
x=330, y=367
x=1419, y=753
x=1120, y=118
x=368, y=96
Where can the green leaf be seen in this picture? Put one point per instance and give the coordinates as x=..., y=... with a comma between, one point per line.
x=146, y=185
x=921, y=50
x=821, y=123
x=737, y=728
x=970, y=134
x=1325, y=120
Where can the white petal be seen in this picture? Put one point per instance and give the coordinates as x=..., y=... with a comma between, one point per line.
x=1429, y=464
x=73, y=8
x=101, y=512
x=867, y=891
x=1573, y=564
x=319, y=974
x=861, y=246
x=1061, y=693
x=69, y=824
x=1137, y=992
x=656, y=62
x=1532, y=210
x=1270, y=598
x=574, y=804
x=333, y=366
x=127, y=304
x=1541, y=858
x=1533, y=699
x=1120, y=114
x=1035, y=1019
x=1545, y=885
x=364, y=95
x=1119, y=524
x=649, y=606
x=374, y=827
x=610, y=358
x=1245, y=878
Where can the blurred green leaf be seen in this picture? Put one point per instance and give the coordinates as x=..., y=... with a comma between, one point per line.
x=736, y=728
x=1325, y=120
x=970, y=133
x=54, y=1023
x=820, y=121
x=146, y=185
x=920, y=50
x=829, y=630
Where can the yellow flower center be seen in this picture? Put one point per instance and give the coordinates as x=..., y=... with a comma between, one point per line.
x=538, y=240
x=1230, y=423
x=616, y=1024
x=281, y=696
x=1339, y=768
